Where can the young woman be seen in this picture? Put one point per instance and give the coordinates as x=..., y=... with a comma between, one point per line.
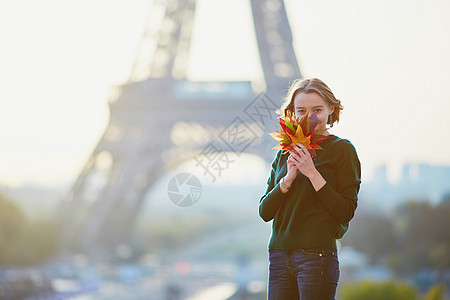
x=310, y=201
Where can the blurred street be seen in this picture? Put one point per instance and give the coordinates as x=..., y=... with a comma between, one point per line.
x=194, y=281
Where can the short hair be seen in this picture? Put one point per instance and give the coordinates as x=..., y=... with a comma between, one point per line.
x=312, y=85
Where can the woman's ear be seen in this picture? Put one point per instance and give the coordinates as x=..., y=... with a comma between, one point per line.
x=331, y=109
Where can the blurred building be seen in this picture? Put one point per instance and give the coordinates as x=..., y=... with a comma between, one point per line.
x=420, y=182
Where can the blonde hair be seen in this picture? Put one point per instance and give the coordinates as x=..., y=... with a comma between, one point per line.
x=313, y=85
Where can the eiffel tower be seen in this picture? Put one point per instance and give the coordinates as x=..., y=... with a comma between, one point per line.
x=158, y=103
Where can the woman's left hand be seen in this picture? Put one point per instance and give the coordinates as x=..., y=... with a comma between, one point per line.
x=303, y=160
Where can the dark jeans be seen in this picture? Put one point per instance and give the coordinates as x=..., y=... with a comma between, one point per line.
x=304, y=274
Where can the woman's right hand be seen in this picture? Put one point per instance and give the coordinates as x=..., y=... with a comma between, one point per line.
x=292, y=171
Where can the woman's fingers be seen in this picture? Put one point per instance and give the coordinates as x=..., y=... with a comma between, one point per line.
x=293, y=160
x=298, y=155
x=302, y=149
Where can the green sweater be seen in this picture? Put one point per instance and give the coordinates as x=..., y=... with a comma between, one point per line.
x=303, y=217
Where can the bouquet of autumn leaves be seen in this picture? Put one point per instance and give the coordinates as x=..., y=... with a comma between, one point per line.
x=293, y=132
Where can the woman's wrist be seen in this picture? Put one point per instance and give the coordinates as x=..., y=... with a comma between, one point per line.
x=287, y=181
x=317, y=180
x=283, y=186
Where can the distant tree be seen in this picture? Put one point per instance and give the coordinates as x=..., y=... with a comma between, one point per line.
x=373, y=235
x=43, y=237
x=413, y=237
x=22, y=242
x=423, y=235
x=415, y=221
x=440, y=238
x=12, y=230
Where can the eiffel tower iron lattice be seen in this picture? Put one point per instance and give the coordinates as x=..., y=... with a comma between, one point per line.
x=102, y=206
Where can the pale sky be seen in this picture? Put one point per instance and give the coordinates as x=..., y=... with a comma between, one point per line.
x=387, y=61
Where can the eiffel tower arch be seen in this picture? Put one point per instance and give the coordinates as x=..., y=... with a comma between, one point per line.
x=157, y=105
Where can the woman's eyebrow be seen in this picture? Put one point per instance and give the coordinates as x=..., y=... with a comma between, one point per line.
x=317, y=106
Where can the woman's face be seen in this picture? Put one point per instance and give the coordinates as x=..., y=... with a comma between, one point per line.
x=312, y=103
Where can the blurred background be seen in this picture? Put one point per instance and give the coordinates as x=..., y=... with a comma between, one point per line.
x=133, y=151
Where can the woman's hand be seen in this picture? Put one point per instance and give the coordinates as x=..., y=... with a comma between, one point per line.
x=303, y=162
x=292, y=170
x=290, y=175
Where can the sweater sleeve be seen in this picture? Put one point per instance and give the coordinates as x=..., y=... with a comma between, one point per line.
x=341, y=201
x=273, y=197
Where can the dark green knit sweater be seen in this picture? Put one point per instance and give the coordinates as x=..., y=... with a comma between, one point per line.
x=304, y=218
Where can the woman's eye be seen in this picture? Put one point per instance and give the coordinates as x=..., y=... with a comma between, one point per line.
x=300, y=111
x=317, y=110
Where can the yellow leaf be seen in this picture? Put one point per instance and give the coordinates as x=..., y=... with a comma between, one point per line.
x=277, y=136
